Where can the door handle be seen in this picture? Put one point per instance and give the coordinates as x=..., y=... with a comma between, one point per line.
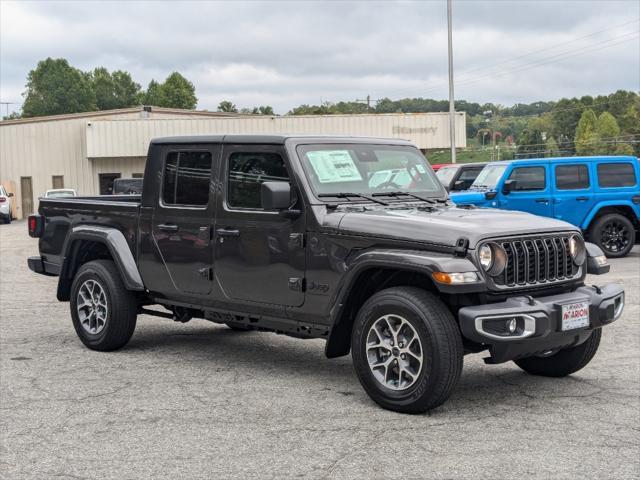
x=582, y=199
x=227, y=232
x=542, y=200
x=167, y=227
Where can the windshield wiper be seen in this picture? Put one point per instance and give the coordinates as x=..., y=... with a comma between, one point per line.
x=433, y=201
x=349, y=194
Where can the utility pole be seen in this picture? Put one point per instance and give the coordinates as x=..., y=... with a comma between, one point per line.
x=452, y=109
x=7, y=105
x=368, y=100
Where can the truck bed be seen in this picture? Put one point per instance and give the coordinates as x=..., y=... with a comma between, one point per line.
x=62, y=214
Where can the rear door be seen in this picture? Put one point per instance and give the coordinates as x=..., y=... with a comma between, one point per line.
x=259, y=255
x=532, y=192
x=183, y=219
x=573, y=195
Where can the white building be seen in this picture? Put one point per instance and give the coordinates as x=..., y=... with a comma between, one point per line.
x=86, y=151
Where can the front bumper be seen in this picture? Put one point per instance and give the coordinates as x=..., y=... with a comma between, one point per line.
x=539, y=322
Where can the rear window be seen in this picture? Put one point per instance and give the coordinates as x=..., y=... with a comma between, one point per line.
x=616, y=175
x=186, y=178
x=572, y=177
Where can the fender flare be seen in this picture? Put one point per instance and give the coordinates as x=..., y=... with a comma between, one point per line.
x=426, y=263
x=600, y=205
x=118, y=247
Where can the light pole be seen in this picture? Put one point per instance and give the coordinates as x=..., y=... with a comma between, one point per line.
x=452, y=110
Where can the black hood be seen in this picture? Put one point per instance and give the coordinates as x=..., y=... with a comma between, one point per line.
x=444, y=224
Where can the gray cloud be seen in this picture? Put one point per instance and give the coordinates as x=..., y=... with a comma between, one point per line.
x=288, y=53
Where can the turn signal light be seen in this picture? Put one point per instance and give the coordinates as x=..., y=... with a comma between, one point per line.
x=455, y=278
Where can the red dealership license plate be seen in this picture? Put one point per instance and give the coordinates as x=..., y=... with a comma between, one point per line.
x=575, y=315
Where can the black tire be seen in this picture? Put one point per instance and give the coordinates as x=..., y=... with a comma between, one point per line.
x=441, y=342
x=122, y=306
x=601, y=231
x=565, y=362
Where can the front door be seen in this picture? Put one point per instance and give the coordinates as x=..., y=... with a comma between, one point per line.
x=259, y=254
x=573, y=192
x=531, y=191
x=183, y=219
x=26, y=192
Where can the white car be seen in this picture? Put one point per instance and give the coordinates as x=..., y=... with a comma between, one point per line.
x=60, y=192
x=5, y=205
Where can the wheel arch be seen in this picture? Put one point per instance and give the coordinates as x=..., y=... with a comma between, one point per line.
x=87, y=243
x=604, y=208
x=373, y=271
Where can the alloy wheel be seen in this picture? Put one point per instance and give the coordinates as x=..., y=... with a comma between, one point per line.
x=92, y=306
x=394, y=352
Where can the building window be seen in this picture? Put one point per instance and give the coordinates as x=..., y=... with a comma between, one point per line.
x=186, y=178
x=57, y=181
x=616, y=175
x=528, y=178
x=247, y=171
x=106, y=182
x=572, y=177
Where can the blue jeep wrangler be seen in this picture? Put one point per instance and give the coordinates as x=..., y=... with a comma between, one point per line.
x=601, y=195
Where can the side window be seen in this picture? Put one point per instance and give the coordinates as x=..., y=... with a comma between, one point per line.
x=528, y=178
x=572, y=177
x=616, y=175
x=186, y=178
x=469, y=174
x=246, y=173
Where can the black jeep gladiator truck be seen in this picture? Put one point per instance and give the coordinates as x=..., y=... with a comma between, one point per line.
x=290, y=234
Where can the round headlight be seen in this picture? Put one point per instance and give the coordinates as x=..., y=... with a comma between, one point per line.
x=485, y=255
x=577, y=250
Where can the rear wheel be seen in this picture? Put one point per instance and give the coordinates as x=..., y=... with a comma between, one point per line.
x=406, y=349
x=565, y=362
x=614, y=234
x=103, y=311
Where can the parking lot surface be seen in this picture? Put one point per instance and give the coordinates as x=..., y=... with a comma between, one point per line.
x=199, y=400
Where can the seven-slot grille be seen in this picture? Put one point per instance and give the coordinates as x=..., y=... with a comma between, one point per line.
x=536, y=260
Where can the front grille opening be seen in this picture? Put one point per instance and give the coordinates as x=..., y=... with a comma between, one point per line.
x=537, y=260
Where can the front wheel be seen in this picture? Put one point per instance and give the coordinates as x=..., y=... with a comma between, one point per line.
x=103, y=311
x=406, y=349
x=565, y=362
x=614, y=234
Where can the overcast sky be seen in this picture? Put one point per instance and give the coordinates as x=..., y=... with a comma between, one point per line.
x=288, y=53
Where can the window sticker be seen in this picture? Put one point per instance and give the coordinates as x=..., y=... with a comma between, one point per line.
x=421, y=168
x=333, y=166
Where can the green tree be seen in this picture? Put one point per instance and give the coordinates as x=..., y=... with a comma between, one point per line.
x=153, y=95
x=127, y=93
x=531, y=144
x=227, y=107
x=178, y=92
x=586, y=138
x=103, y=89
x=54, y=87
x=552, y=148
x=608, y=132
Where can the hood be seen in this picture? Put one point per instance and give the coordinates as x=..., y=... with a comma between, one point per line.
x=469, y=198
x=444, y=225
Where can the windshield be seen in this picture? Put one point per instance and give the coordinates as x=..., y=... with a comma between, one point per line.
x=61, y=193
x=489, y=177
x=368, y=169
x=446, y=174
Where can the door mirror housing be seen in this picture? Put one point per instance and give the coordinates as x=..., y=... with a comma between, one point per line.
x=490, y=195
x=509, y=186
x=9, y=194
x=276, y=195
x=459, y=185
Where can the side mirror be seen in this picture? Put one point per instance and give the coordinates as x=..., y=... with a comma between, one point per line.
x=490, y=195
x=597, y=263
x=9, y=194
x=459, y=185
x=509, y=186
x=276, y=195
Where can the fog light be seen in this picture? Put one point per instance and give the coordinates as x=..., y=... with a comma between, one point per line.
x=513, y=324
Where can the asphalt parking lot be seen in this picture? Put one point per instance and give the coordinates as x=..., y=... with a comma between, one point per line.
x=199, y=400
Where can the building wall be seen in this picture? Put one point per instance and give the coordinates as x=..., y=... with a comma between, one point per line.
x=80, y=147
x=122, y=138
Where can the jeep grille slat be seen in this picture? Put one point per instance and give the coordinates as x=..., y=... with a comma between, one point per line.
x=535, y=260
